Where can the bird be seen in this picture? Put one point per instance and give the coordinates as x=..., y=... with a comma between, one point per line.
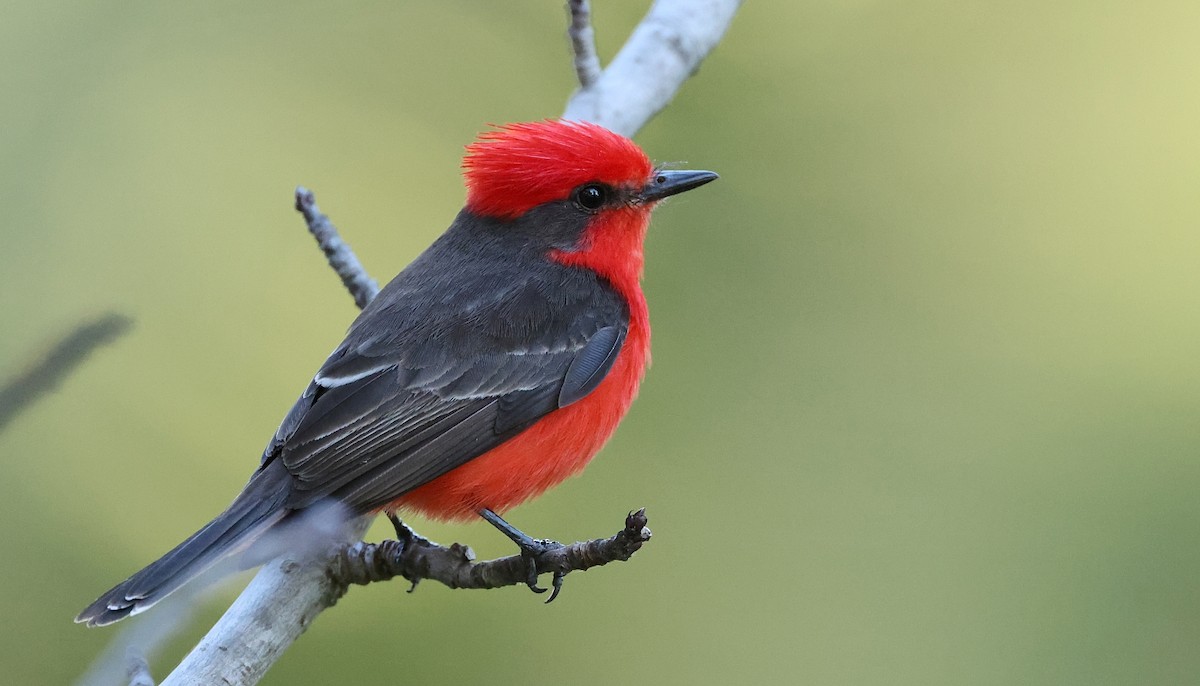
x=491, y=368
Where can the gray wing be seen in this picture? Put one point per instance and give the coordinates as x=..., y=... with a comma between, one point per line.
x=394, y=406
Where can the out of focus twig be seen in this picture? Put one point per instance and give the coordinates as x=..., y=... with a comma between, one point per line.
x=44, y=375
x=139, y=671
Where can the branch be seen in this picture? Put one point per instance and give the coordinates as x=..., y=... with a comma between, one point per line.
x=416, y=558
x=287, y=594
x=62, y=359
x=664, y=50
x=278, y=605
x=583, y=42
x=284, y=598
x=343, y=260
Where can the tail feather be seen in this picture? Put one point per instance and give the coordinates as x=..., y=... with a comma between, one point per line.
x=256, y=509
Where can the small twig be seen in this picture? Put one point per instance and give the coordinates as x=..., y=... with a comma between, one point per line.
x=139, y=670
x=416, y=558
x=583, y=42
x=343, y=260
x=62, y=359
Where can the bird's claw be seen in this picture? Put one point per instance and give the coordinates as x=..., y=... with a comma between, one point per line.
x=557, y=584
x=531, y=573
x=532, y=549
x=531, y=552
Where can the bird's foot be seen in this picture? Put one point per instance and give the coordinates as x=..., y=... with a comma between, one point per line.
x=532, y=550
x=407, y=538
x=404, y=534
x=531, y=553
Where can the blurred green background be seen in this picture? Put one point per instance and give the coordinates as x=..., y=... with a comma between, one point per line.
x=927, y=358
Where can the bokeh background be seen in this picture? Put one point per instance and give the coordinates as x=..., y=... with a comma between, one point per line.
x=927, y=358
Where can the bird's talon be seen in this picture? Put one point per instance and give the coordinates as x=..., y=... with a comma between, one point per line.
x=532, y=550
x=557, y=583
x=531, y=574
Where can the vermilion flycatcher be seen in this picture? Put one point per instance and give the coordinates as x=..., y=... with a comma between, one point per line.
x=490, y=369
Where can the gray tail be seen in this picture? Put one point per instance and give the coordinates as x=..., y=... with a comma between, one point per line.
x=256, y=509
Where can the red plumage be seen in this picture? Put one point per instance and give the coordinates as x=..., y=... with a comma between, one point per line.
x=508, y=171
x=514, y=168
x=560, y=444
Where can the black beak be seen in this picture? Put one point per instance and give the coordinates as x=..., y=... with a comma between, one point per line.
x=669, y=182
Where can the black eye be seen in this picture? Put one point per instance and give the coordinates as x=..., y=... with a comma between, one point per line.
x=591, y=197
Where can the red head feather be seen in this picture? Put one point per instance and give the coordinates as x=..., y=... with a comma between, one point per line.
x=514, y=168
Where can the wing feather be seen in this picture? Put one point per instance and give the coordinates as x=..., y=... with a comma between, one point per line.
x=418, y=387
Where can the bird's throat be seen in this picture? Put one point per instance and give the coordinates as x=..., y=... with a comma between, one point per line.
x=612, y=247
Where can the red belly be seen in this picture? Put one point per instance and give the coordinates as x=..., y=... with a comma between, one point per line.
x=558, y=446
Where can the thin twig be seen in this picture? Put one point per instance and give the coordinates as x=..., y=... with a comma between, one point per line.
x=68, y=353
x=416, y=558
x=583, y=43
x=343, y=260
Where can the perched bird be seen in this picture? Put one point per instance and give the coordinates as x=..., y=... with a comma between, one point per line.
x=490, y=369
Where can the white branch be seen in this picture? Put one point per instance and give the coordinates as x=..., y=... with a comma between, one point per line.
x=663, y=51
x=282, y=600
x=278, y=605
